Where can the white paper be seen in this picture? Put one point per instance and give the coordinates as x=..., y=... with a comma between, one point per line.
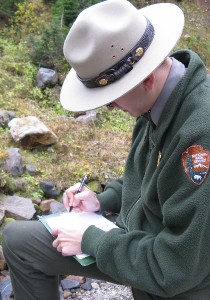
x=64, y=220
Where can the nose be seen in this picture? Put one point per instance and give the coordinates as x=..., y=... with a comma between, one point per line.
x=111, y=105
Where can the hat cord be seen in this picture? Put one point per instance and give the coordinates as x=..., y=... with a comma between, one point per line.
x=125, y=65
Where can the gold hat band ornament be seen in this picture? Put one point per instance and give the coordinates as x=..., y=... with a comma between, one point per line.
x=103, y=81
x=125, y=65
x=139, y=51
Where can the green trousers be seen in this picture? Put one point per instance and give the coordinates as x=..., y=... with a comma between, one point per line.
x=35, y=265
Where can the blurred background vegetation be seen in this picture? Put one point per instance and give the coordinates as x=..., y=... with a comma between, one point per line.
x=32, y=33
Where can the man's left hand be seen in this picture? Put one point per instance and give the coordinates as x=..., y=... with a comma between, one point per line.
x=68, y=241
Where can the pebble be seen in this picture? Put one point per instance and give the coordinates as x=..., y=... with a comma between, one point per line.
x=95, y=285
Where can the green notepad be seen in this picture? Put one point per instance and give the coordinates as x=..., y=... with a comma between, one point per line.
x=65, y=219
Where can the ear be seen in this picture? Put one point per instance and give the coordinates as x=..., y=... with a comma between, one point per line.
x=148, y=83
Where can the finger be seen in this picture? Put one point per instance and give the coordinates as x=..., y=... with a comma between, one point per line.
x=74, y=188
x=54, y=232
x=59, y=248
x=67, y=200
x=55, y=243
x=68, y=196
x=77, y=209
x=65, y=251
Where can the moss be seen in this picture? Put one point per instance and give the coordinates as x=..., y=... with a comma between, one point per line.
x=7, y=220
x=95, y=186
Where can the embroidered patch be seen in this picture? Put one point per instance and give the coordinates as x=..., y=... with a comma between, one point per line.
x=196, y=161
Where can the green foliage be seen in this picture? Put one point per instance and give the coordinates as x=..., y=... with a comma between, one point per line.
x=33, y=186
x=8, y=7
x=116, y=119
x=25, y=21
x=48, y=2
x=17, y=80
x=47, y=50
x=17, y=74
x=68, y=10
x=3, y=178
x=7, y=220
x=45, y=34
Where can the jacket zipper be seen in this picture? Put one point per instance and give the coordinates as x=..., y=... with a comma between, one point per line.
x=129, y=213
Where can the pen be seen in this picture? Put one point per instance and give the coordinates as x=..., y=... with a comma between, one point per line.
x=84, y=179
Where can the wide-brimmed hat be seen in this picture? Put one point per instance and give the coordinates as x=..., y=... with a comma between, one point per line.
x=112, y=47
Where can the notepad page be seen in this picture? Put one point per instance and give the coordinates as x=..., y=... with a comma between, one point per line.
x=64, y=220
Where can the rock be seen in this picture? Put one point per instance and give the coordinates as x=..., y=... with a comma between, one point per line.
x=46, y=185
x=54, y=193
x=66, y=294
x=88, y=117
x=18, y=208
x=31, y=132
x=32, y=170
x=45, y=205
x=187, y=37
x=95, y=285
x=56, y=207
x=52, y=206
x=68, y=284
x=81, y=279
x=2, y=213
x=49, y=189
x=67, y=118
x=87, y=285
x=5, y=117
x=2, y=260
x=5, y=287
x=46, y=78
x=14, y=162
x=36, y=200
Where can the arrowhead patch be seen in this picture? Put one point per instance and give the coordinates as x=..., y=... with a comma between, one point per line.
x=196, y=161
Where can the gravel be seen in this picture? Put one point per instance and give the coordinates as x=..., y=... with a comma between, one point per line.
x=101, y=290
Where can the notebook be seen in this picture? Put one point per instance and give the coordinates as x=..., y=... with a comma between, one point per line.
x=65, y=219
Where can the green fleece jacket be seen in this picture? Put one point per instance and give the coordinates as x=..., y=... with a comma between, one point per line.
x=162, y=245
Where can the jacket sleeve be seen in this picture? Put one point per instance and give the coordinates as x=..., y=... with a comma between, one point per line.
x=111, y=198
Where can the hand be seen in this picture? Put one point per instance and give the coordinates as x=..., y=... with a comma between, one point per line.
x=85, y=201
x=68, y=241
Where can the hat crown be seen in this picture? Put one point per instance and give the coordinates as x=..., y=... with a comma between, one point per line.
x=102, y=35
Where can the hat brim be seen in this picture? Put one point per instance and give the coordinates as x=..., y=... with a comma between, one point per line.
x=168, y=21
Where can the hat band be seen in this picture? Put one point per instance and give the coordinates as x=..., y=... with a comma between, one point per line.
x=125, y=65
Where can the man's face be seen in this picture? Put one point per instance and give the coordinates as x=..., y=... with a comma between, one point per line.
x=136, y=102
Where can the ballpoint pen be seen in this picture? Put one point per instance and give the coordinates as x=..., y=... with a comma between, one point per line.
x=84, y=179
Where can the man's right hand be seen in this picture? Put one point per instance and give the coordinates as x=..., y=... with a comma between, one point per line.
x=85, y=201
